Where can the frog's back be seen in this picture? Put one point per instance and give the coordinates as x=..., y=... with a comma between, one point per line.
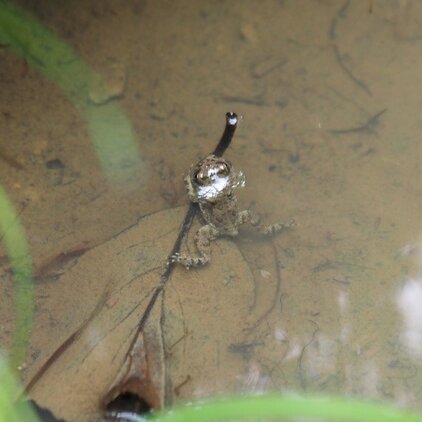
x=222, y=215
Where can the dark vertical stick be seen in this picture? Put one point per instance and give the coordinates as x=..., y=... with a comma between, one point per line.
x=231, y=124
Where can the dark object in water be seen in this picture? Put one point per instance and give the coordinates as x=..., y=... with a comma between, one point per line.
x=127, y=407
x=44, y=414
x=54, y=164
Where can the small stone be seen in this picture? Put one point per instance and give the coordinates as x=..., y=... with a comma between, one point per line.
x=109, y=85
x=280, y=335
x=54, y=164
x=39, y=147
x=248, y=33
x=229, y=278
x=265, y=273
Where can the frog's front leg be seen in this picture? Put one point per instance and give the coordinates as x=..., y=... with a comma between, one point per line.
x=203, y=239
x=248, y=216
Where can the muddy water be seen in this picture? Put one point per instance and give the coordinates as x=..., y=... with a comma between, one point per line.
x=329, y=94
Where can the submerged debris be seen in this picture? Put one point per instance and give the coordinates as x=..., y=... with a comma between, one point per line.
x=110, y=85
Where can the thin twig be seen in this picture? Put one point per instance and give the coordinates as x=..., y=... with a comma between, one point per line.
x=366, y=127
x=342, y=13
x=332, y=35
x=362, y=85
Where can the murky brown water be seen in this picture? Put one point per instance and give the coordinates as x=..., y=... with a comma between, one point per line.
x=330, y=97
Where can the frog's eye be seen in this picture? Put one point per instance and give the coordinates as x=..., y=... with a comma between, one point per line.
x=201, y=177
x=222, y=169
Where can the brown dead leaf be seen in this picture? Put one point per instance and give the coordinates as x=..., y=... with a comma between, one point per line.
x=186, y=349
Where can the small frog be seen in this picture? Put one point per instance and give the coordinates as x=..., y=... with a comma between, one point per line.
x=211, y=183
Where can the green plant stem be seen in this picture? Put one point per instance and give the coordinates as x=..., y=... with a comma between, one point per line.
x=13, y=237
x=275, y=406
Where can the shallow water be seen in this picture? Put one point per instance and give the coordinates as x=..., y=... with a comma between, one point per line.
x=329, y=94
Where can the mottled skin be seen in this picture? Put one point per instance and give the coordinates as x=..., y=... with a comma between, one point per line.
x=211, y=183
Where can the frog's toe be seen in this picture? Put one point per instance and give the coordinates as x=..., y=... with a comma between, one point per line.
x=291, y=223
x=173, y=258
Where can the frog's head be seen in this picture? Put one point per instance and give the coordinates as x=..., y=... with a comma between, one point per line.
x=212, y=179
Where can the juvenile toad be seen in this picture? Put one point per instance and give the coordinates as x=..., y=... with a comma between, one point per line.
x=211, y=183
